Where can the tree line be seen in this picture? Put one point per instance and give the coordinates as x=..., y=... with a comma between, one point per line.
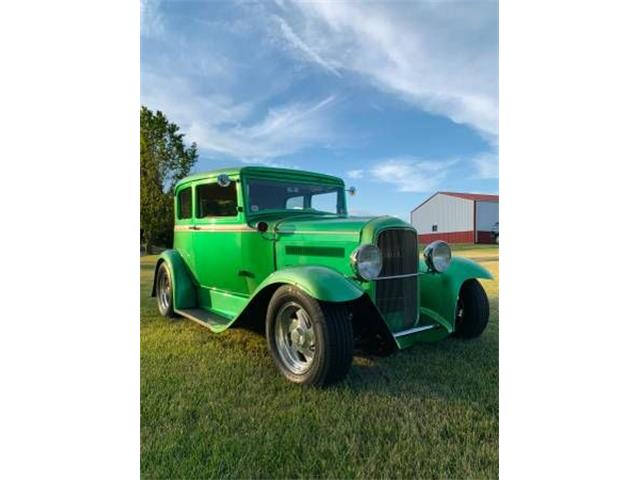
x=164, y=160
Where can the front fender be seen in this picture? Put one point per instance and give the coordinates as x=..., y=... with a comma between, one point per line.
x=439, y=291
x=184, y=291
x=321, y=283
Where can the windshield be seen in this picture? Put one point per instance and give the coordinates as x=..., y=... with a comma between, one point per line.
x=265, y=195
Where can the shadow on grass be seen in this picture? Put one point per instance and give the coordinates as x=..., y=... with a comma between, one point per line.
x=452, y=369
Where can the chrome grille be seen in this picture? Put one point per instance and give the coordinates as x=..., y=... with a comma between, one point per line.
x=397, y=298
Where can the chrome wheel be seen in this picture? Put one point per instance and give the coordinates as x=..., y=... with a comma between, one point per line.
x=294, y=337
x=164, y=290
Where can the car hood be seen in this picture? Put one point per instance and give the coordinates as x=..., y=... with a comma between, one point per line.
x=326, y=225
x=326, y=240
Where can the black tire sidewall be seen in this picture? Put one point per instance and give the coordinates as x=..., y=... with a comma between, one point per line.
x=476, y=310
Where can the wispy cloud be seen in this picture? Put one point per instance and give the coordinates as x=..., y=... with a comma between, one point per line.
x=283, y=130
x=245, y=130
x=439, y=56
x=240, y=92
x=410, y=174
x=296, y=42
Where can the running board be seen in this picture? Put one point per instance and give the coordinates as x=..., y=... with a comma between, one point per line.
x=204, y=317
x=414, y=330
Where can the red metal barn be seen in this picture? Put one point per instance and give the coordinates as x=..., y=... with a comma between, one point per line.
x=456, y=217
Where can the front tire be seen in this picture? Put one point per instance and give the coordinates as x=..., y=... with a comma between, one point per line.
x=164, y=291
x=311, y=342
x=472, y=310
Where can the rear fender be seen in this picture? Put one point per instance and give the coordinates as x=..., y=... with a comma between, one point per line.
x=184, y=291
x=439, y=291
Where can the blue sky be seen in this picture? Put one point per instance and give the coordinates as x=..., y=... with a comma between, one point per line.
x=398, y=98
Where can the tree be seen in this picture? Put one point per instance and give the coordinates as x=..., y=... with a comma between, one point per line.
x=164, y=159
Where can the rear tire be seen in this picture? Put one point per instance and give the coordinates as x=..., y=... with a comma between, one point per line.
x=311, y=342
x=472, y=310
x=164, y=291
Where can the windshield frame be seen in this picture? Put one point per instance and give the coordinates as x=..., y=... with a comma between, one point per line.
x=342, y=204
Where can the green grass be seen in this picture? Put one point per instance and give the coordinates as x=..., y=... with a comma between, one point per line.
x=214, y=406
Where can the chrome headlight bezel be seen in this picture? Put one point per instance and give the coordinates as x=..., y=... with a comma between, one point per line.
x=437, y=256
x=366, y=261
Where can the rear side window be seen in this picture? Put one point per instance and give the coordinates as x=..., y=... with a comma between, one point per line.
x=184, y=203
x=216, y=201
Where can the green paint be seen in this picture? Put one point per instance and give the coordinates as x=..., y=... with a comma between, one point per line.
x=320, y=282
x=221, y=264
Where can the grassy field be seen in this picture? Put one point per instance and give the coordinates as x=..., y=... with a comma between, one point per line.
x=214, y=406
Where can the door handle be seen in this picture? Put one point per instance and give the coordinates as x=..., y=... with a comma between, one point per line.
x=194, y=227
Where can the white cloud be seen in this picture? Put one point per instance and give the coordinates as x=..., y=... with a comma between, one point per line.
x=437, y=55
x=222, y=125
x=283, y=130
x=178, y=98
x=440, y=57
x=410, y=174
x=301, y=46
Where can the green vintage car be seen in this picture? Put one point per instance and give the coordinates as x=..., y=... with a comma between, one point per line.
x=275, y=248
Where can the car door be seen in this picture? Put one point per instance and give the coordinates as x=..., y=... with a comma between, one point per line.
x=216, y=235
x=182, y=231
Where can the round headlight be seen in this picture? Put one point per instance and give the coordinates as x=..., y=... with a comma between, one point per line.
x=366, y=261
x=438, y=255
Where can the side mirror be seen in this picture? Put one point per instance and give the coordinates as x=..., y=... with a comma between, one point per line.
x=352, y=190
x=224, y=180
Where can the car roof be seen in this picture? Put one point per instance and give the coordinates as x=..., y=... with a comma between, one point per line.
x=287, y=173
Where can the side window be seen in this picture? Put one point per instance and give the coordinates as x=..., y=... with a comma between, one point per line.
x=184, y=203
x=216, y=201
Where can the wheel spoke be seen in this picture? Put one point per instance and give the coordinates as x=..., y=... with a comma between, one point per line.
x=293, y=324
x=306, y=353
x=164, y=291
x=295, y=340
x=305, y=323
x=309, y=352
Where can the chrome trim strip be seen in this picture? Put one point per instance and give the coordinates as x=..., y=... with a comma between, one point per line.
x=314, y=232
x=406, y=275
x=413, y=330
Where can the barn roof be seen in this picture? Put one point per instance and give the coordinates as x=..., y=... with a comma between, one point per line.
x=480, y=197
x=476, y=197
